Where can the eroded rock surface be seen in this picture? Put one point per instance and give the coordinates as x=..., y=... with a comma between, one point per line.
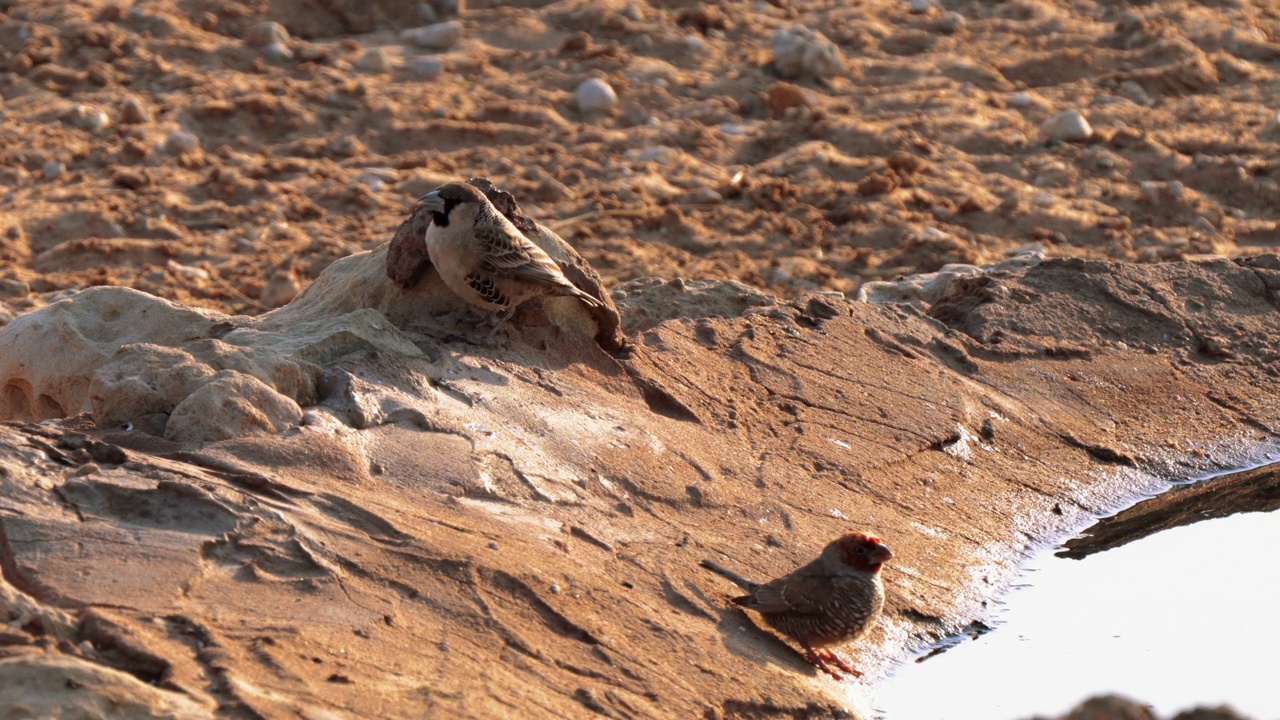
x=466, y=530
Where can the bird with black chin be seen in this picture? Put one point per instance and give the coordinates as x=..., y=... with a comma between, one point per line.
x=485, y=259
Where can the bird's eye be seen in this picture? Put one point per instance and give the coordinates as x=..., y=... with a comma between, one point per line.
x=862, y=549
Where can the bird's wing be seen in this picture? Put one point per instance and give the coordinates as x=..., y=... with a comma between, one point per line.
x=799, y=592
x=512, y=255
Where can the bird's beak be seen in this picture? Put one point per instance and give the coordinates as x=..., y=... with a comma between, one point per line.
x=432, y=202
x=881, y=553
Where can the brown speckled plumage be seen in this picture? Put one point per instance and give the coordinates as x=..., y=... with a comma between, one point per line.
x=831, y=601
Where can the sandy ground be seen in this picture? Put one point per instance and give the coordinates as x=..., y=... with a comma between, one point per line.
x=188, y=150
x=926, y=148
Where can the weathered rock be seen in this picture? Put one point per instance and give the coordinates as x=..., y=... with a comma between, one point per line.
x=799, y=51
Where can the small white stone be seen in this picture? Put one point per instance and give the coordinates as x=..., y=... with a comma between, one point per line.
x=919, y=6
x=1175, y=189
x=180, y=142
x=374, y=60
x=799, y=51
x=1042, y=199
x=1150, y=191
x=595, y=95
x=88, y=118
x=1020, y=100
x=952, y=23
x=440, y=36
x=1205, y=226
x=53, y=169
x=1068, y=126
x=695, y=44
x=277, y=51
x=426, y=68
x=266, y=33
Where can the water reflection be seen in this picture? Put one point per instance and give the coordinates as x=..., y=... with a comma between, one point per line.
x=1177, y=613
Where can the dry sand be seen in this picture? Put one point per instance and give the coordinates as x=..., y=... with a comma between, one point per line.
x=544, y=561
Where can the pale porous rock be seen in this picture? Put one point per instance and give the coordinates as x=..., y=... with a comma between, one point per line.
x=925, y=289
x=120, y=354
x=799, y=51
x=231, y=405
x=62, y=687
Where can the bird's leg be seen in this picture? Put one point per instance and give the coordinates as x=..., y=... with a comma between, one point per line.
x=816, y=659
x=501, y=319
x=830, y=655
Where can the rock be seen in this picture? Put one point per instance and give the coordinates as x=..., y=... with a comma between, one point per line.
x=65, y=686
x=53, y=169
x=951, y=23
x=280, y=290
x=1068, y=126
x=181, y=142
x=425, y=68
x=231, y=405
x=441, y=36
x=917, y=7
x=784, y=95
x=801, y=52
x=266, y=33
x=1110, y=707
x=14, y=288
x=374, y=60
x=277, y=51
x=595, y=96
x=87, y=117
x=132, y=112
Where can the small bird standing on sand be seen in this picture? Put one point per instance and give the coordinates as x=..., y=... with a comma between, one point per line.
x=831, y=601
x=485, y=259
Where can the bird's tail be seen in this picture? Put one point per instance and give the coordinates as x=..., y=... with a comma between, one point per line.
x=584, y=297
x=733, y=577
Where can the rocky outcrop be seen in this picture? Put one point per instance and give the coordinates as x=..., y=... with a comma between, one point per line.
x=343, y=508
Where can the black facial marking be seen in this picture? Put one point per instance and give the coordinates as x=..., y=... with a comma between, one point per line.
x=441, y=219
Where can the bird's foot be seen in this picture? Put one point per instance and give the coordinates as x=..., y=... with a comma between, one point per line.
x=817, y=660
x=831, y=656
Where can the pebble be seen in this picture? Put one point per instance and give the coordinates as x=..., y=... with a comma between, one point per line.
x=1042, y=199
x=440, y=36
x=706, y=196
x=1205, y=226
x=14, y=288
x=277, y=51
x=426, y=68
x=800, y=51
x=181, y=142
x=783, y=95
x=88, y=118
x=1272, y=126
x=374, y=60
x=595, y=95
x=1068, y=126
x=53, y=169
x=919, y=6
x=280, y=290
x=952, y=23
x=132, y=112
x=266, y=33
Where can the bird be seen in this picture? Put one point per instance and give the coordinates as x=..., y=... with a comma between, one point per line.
x=485, y=259
x=834, y=599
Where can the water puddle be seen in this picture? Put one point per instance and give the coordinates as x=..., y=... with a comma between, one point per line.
x=1166, y=609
